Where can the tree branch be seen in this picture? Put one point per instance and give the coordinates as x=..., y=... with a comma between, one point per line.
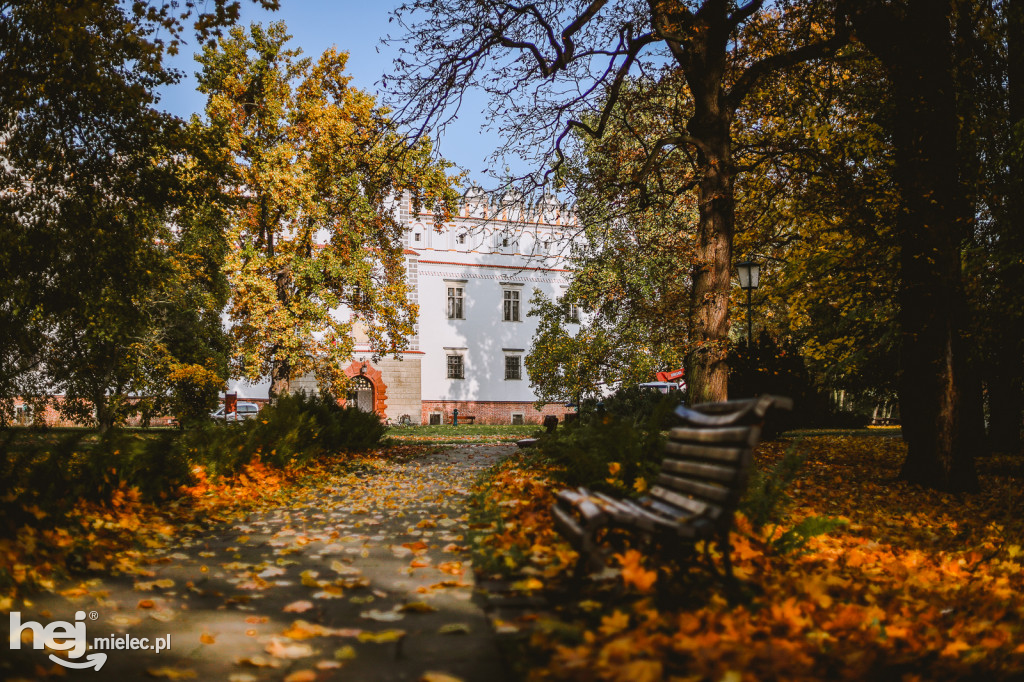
x=761, y=68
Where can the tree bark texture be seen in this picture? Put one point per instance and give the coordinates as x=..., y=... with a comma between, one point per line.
x=710, y=127
x=104, y=415
x=915, y=44
x=708, y=375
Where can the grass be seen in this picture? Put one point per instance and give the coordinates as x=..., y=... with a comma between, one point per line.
x=468, y=433
x=20, y=438
x=885, y=431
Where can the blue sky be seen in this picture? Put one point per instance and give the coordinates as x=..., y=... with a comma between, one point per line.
x=357, y=28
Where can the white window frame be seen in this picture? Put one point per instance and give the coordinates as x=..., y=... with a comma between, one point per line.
x=450, y=285
x=511, y=313
x=569, y=309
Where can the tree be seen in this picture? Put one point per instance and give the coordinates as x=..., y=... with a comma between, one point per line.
x=626, y=264
x=635, y=314
x=576, y=61
x=190, y=347
x=83, y=196
x=995, y=266
x=85, y=167
x=914, y=41
x=315, y=169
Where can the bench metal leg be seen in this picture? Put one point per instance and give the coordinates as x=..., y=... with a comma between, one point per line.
x=732, y=586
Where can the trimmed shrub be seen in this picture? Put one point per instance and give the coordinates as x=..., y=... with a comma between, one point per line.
x=301, y=427
x=779, y=369
x=642, y=407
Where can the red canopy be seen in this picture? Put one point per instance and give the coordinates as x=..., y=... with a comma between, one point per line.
x=674, y=375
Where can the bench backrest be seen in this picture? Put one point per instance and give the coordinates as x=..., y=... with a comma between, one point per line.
x=708, y=459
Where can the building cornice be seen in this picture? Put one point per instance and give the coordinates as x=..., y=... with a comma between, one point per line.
x=490, y=265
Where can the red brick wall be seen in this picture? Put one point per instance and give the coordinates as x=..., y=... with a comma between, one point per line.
x=51, y=417
x=492, y=412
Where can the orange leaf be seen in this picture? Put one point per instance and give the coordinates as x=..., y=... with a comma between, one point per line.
x=954, y=648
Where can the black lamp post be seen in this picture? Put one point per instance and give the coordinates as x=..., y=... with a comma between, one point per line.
x=750, y=276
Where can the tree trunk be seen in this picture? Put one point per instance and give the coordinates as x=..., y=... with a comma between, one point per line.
x=936, y=402
x=280, y=378
x=1006, y=387
x=710, y=126
x=281, y=367
x=104, y=415
x=708, y=374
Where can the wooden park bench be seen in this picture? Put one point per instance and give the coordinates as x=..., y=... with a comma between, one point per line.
x=705, y=471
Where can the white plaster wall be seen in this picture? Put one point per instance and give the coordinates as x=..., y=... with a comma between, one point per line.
x=533, y=259
x=483, y=334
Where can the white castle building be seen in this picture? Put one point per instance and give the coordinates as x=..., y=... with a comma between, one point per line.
x=473, y=281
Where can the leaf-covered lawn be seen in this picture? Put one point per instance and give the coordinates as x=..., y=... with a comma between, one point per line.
x=916, y=585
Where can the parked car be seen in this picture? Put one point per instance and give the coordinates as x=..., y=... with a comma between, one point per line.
x=242, y=412
x=664, y=386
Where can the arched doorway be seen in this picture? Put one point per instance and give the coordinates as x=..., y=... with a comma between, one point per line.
x=367, y=390
x=360, y=394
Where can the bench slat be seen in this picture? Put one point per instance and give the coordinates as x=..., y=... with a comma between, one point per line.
x=698, y=507
x=615, y=508
x=724, y=474
x=679, y=515
x=718, y=453
x=707, y=491
x=568, y=527
x=739, y=435
x=580, y=501
x=648, y=520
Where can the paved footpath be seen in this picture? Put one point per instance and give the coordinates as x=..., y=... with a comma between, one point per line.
x=364, y=577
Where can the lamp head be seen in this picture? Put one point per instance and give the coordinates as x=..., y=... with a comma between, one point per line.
x=750, y=273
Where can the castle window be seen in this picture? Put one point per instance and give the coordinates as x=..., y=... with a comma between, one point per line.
x=513, y=367
x=456, y=301
x=456, y=367
x=510, y=307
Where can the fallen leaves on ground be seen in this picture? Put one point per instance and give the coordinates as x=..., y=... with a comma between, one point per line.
x=107, y=536
x=917, y=585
